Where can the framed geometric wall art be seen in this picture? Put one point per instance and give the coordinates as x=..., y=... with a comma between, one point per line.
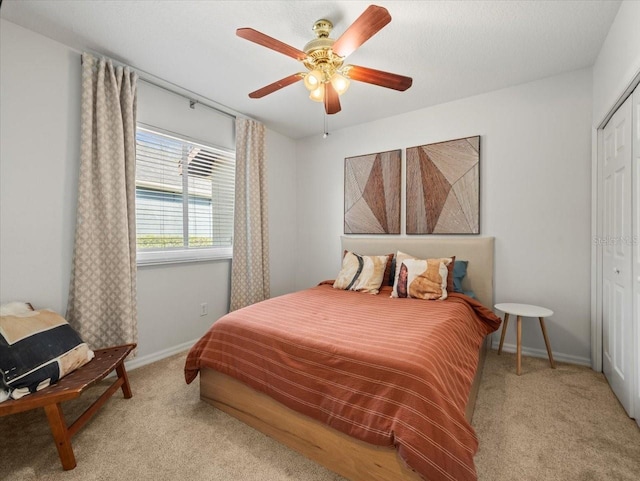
x=443, y=187
x=372, y=193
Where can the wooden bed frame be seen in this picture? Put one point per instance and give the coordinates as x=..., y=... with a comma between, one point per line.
x=349, y=457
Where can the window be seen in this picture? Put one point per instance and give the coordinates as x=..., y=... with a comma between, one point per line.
x=184, y=198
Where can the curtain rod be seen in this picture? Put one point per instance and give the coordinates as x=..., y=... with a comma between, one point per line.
x=193, y=99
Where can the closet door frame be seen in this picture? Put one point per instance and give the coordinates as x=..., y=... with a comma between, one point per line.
x=597, y=161
x=619, y=256
x=635, y=162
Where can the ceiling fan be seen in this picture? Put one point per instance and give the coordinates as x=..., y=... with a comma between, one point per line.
x=327, y=77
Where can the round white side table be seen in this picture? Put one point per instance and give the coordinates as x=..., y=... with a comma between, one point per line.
x=524, y=310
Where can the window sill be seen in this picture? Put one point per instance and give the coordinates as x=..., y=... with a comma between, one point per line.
x=151, y=258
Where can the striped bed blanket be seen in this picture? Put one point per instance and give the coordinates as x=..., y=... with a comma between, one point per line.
x=388, y=371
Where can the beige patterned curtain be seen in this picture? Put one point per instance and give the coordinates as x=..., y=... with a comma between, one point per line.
x=102, y=295
x=250, y=267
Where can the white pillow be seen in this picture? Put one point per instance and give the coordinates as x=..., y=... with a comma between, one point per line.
x=15, y=309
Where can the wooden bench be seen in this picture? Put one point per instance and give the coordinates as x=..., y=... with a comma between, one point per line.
x=71, y=387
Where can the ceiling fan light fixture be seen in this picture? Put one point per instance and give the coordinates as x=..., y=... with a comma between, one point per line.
x=313, y=79
x=327, y=78
x=317, y=95
x=340, y=83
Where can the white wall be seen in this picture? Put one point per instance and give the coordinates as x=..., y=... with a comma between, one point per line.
x=281, y=156
x=39, y=156
x=170, y=296
x=618, y=61
x=535, y=195
x=158, y=107
x=39, y=150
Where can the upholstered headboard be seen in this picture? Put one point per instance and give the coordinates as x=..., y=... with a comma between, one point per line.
x=477, y=250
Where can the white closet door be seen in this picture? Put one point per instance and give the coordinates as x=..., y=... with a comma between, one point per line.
x=636, y=255
x=617, y=285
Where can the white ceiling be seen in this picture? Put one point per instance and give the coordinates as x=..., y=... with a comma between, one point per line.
x=451, y=49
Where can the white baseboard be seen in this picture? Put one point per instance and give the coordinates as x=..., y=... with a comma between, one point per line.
x=542, y=353
x=527, y=351
x=137, y=362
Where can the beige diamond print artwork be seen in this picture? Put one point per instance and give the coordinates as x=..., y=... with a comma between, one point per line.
x=372, y=193
x=443, y=187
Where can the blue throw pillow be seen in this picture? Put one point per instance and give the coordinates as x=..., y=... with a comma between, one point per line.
x=459, y=271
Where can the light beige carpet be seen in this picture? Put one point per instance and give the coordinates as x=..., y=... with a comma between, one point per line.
x=562, y=424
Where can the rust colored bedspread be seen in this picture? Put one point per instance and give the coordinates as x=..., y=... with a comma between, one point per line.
x=391, y=372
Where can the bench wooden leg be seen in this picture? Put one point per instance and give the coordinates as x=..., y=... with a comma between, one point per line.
x=122, y=373
x=60, y=435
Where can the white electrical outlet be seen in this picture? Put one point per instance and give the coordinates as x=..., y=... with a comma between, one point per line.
x=203, y=309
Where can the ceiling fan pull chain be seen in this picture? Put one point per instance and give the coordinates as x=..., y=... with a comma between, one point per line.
x=326, y=126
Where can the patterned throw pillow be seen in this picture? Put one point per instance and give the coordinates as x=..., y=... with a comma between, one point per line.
x=37, y=348
x=423, y=279
x=361, y=273
x=401, y=257
x=389, y=270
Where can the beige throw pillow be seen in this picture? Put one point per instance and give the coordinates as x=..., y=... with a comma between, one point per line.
x=361, y=273
x=400, y=258
x=448, y=262
x=422, y=279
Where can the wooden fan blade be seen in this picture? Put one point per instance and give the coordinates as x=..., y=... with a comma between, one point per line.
x=378, y=77
x=276, y=86
x=366, y=26
x=331, y=99
x=270, y=42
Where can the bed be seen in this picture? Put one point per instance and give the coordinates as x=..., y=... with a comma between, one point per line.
x=304, y=368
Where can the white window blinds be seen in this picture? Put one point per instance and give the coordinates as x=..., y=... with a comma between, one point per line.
x=184, y=198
